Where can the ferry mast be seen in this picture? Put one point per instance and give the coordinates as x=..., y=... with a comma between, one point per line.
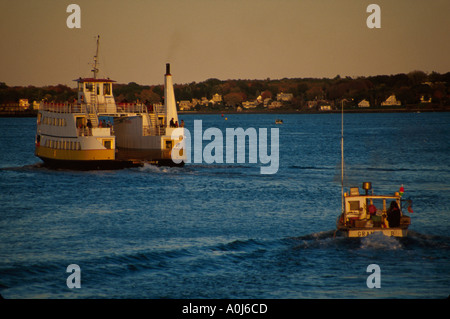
x=95, y=65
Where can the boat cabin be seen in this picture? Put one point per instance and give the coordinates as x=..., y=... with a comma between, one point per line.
x=363, y=207
x=363, y=210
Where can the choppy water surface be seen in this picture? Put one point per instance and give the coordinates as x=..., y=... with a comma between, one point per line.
x=225, y=230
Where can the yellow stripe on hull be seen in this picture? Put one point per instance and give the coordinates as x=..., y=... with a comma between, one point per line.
x=75, y=155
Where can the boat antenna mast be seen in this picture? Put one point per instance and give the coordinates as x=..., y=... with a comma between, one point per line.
x=342, y=157
x=95, y=64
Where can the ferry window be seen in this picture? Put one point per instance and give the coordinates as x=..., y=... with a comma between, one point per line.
x=169, y=144
x=98, y=89
x=80, y=86
x=107, y=144
x=89, y=87
x=107, y=88
x=80, y=122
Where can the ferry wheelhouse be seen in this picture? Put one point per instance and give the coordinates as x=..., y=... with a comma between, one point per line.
x=95, y=132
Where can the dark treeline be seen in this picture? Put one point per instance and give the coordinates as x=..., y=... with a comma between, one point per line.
x=408, y=88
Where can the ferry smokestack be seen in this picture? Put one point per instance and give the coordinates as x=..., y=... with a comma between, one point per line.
x=169, y=100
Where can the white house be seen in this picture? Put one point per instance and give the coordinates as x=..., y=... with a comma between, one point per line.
x=364, y=103
x=23, y=103
x=425, y=99
x=391, y=101
x=249, y=105
x=325, y=107
x=275, y=104
x=184, y=105
x=217, y=98
x=285, y=97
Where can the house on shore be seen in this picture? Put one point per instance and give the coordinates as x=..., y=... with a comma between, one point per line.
x=364, y=103
x=391, y=101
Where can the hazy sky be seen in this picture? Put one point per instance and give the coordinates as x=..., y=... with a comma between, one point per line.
x=229, y=39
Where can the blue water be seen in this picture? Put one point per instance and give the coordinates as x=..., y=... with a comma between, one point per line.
x=225, y=230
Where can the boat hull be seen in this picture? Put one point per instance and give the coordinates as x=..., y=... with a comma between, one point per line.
x=89, y=164
x=103, y=164
x=363, y=232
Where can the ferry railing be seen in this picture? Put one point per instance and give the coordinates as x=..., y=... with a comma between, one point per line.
x=100, y=108
x=88, y=131
x=159, y=109
x=63, y=107
x=149, y=130
x=131, y=108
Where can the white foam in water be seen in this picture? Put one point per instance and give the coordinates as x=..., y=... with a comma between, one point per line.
x=154, y=168
x=379, y=241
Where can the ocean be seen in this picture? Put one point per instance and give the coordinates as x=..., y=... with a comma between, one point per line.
x=224, y=230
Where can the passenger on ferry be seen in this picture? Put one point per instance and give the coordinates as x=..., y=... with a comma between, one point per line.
x=393, y=215
x=172, y=124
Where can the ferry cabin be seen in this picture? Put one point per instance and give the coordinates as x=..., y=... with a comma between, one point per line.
x=98, y=95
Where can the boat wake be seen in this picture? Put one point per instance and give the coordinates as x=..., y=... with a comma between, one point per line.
x=155, y=169
x=375, y=241
x=379, y=241
x=34, y=166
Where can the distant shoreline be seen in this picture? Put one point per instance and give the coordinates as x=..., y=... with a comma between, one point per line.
x=26, y=113
x=33, y=113
x=410, y=110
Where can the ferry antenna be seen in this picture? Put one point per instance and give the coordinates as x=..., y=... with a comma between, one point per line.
x=95, y=65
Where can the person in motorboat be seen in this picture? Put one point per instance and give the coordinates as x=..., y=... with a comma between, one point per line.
x=393, y=215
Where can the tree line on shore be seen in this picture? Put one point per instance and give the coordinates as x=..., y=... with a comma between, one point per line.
x=408, y=88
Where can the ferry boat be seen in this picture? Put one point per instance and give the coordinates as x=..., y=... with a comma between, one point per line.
x=78, y=136
x=362, y=215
